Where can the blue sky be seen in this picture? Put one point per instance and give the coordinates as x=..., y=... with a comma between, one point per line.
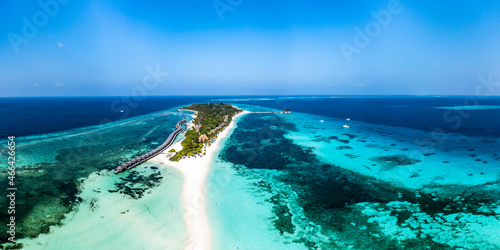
x=101, y=48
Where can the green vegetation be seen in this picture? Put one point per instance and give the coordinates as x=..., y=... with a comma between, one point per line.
x=171, y=150
x=211, y=119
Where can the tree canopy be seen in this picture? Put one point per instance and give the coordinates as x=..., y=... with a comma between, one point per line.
x=211, y=119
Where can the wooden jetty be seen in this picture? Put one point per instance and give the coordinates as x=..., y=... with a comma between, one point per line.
x=137, y=161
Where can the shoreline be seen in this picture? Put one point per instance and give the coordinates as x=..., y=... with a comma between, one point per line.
x=195, y=172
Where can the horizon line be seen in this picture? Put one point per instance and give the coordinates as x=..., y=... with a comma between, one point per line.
x=358, y=95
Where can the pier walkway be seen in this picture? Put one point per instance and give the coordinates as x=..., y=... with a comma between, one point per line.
x=136, y=161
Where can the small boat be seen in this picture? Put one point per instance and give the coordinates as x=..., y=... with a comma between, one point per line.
x=345, y=126
x=321, y=121
x=348, y=119
x=121, y=111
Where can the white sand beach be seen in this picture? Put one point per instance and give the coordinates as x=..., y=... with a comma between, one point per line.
x=195, y=172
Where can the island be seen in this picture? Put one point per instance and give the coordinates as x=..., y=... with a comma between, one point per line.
x=210, y=120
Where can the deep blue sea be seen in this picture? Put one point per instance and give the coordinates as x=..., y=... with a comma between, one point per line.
x=408, y=111
x=29, y=116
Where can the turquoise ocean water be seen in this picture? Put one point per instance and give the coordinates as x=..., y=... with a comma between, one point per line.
x=408, y=172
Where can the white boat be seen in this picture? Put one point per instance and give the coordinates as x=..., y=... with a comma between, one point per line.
x=121, y=111
x=348, y=119
x=321, y=121
x=345, y=126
